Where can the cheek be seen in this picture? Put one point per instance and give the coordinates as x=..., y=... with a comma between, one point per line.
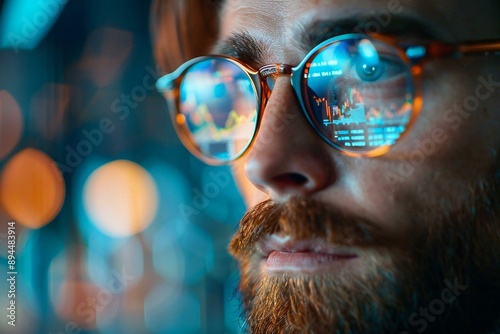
x=449, y=150
x=458, y=126
x=369, y=191
x=250, y=193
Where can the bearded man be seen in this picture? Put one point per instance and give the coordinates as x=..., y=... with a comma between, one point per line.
x=384, y=219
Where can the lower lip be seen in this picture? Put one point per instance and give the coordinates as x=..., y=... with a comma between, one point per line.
x=305, y=261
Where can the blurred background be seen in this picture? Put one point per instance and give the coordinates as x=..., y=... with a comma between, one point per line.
x=118, y=228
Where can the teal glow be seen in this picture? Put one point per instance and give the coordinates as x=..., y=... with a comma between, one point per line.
x=416, y=52
x=24, y=23
x=367, y=49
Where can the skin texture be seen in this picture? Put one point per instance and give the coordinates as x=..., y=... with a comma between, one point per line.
x=358, y=182
x=420, y=217
x=415, y=208
x=330, y=174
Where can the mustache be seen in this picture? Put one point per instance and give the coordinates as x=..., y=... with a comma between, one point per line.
x=305, y=219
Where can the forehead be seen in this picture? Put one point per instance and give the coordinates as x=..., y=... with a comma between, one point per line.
x=277, y=22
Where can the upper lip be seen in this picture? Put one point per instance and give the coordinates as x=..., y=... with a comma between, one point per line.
x=286, y=244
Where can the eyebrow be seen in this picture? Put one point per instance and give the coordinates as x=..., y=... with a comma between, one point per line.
x=248, y=49
x=242, y=46
x=399, y=27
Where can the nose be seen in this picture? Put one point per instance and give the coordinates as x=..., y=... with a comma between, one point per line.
x=288, y=158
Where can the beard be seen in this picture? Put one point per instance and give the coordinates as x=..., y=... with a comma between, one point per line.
x=440, y=276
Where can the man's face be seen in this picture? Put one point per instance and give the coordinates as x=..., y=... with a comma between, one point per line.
x=405, y=242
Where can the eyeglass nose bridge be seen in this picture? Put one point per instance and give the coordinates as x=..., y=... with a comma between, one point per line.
x=269, y=73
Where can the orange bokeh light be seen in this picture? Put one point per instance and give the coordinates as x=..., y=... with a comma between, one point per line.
x=32, y=188
x=121, y=198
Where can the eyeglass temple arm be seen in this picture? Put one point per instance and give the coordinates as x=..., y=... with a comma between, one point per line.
x=437, y=49
x=479, y=47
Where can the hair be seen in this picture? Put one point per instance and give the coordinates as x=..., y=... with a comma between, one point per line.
x=183, y=29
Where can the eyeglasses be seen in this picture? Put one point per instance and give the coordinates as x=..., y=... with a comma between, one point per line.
x=360, y=94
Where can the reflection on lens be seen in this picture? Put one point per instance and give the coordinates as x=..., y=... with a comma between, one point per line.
x=218, y=101
x=359, y=94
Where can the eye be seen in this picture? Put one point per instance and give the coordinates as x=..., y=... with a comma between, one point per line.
x=373, y=61
x=369, y=72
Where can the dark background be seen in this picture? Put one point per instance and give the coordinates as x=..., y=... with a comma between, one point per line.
x=118, y=228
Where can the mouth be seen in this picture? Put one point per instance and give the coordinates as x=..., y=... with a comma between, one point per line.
x=282, y=254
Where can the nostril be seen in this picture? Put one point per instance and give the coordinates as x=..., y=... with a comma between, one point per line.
x=290, y=179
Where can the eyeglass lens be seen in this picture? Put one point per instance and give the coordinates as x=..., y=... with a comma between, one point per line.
x=219, y=103
x=358, y=95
